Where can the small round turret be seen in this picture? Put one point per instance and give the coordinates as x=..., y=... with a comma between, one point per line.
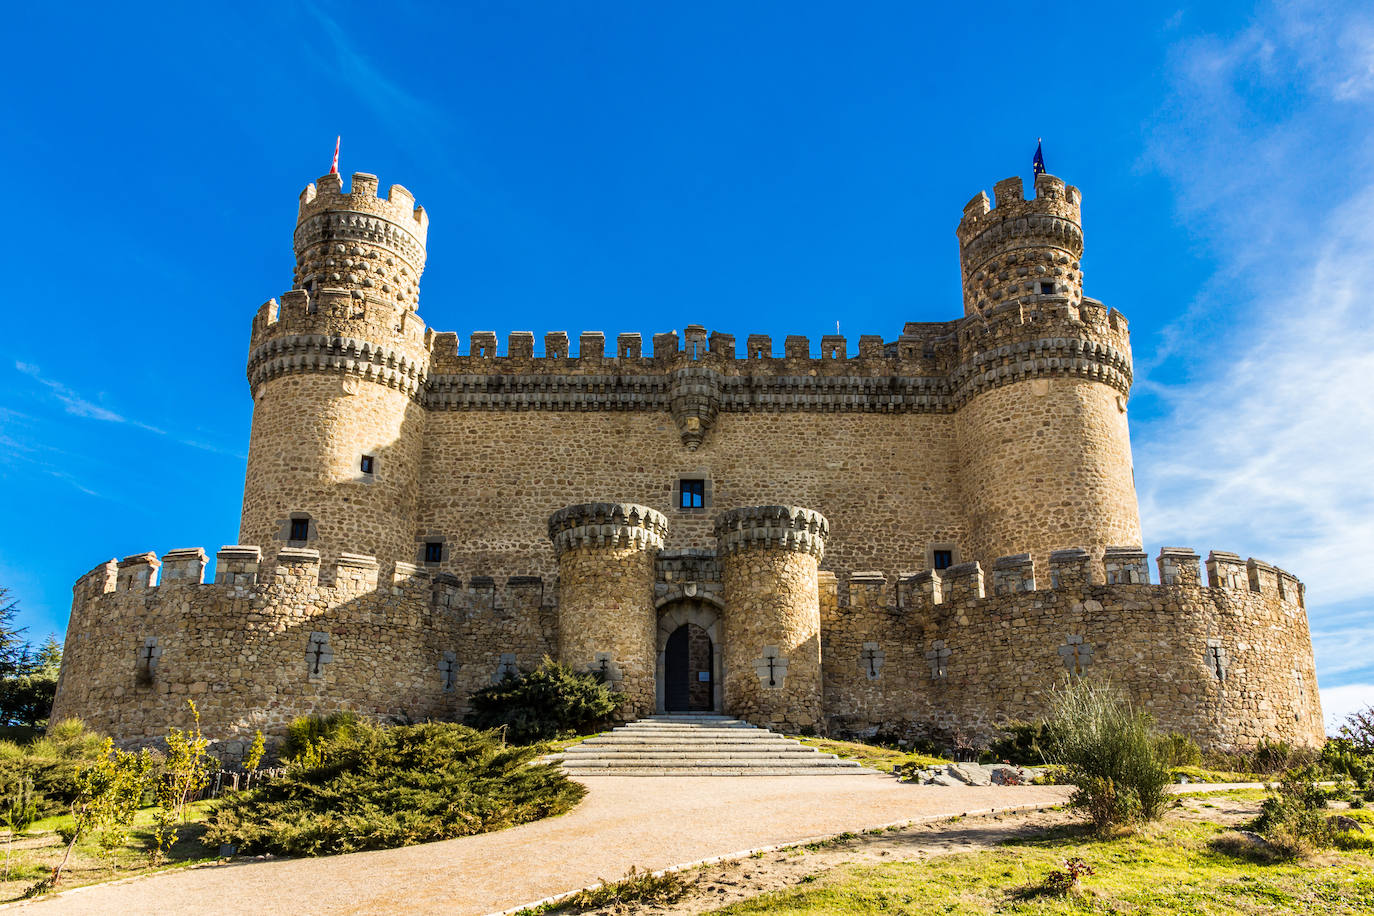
x=359, y=241
x=1021, y=249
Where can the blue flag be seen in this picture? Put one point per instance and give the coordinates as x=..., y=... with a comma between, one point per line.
x=1038, y=163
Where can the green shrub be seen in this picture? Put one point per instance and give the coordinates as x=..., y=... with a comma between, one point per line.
x=51, y=765
x=365, y=786
x=306, y=736
x=1021, y=744
x=1291, y=818
x=549, y=702
x=1341, y=757
x=1106, y=746
x=1177, y=750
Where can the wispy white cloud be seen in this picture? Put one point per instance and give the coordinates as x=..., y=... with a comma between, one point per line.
x=74, y=403
x=1339, y=702
x=78, y=405
x=1266, y=424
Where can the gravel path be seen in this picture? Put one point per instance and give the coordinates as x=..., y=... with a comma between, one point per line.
x=624, y=821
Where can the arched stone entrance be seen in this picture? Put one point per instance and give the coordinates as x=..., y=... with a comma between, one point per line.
x=689, y=634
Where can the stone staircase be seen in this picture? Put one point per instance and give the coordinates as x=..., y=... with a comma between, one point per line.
x=687, y=744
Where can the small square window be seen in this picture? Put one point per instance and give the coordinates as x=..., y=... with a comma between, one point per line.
x=1047, y=289
x=300, y=529
x=691, y=494
x=943, y=559
x=367, y=464
x=434, y=551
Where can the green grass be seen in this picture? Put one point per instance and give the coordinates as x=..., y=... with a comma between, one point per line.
x=1168, y=867
x=1202, y=774
x=34, y=854
x=875, y=757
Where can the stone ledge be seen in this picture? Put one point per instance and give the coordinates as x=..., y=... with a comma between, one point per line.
x=773, y=527
x=607, y=525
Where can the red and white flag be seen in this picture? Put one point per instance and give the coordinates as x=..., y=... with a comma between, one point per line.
x=334, y=169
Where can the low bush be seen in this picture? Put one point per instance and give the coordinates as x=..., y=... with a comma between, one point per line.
x=1021, y=743
x=550, y=702
x=1177, y=750
x=1106, y=746
x=353, y=785
x=1292, y=817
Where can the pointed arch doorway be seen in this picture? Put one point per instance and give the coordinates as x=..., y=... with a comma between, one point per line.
x=688, y=672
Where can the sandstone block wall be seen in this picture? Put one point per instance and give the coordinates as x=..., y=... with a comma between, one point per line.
x=272, y=640
x=1229, y=663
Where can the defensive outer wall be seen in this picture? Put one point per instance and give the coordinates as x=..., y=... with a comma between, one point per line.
x=402, y=542
x=935, y=653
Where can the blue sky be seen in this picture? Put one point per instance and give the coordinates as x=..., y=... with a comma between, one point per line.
x=762, y=167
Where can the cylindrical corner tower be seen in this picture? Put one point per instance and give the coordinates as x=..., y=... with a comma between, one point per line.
x=606, y=616
x=337, y=372
x=1041, y=388
x=772, y=639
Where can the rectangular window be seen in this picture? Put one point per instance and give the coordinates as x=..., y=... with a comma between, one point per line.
x=691, y=494
x=1047, y=289
x=943, y=559
x=300, y=529
x=367, y=464
x=434, y=551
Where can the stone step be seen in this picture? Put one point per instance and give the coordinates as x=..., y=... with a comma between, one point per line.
x=697, y=745
x=693, y=755
x=686, y=741
x=702, y=770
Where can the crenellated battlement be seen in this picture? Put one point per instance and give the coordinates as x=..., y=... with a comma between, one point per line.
x=1073, y=569
x=327, y=195
x=243, y=573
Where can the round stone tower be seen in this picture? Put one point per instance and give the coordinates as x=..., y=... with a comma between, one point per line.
x=772, y=638
x=337, y=371
x=606, y=616
x=1041, y=386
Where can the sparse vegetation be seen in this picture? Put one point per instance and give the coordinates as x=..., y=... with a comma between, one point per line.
x=541, y=705
x=637, y=888
x=879, y=757
x=351, y=785
x=1106, y=746
x=1169, y=866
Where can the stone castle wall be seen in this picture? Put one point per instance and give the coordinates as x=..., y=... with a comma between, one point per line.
x=269, y=641
x=1229, y=663
x=943, y=654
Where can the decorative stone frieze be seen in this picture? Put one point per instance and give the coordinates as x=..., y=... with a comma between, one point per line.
x=607, y=525
x=772, y=528
x=695, y=394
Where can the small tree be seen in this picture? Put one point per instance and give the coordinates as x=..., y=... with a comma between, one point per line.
x=186, y=772
x=253, y=759
x=109, y=791
x=544, y=703
x=1359, y=731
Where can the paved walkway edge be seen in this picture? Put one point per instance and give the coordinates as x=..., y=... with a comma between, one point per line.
x=1188, y=789
x=778, y=847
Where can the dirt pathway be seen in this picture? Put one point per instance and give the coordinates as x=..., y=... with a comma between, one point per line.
x=624, y=821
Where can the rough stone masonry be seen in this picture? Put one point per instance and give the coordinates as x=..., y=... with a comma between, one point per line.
x=919, y=534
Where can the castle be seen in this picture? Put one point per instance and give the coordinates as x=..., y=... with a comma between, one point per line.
x=920, y=535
